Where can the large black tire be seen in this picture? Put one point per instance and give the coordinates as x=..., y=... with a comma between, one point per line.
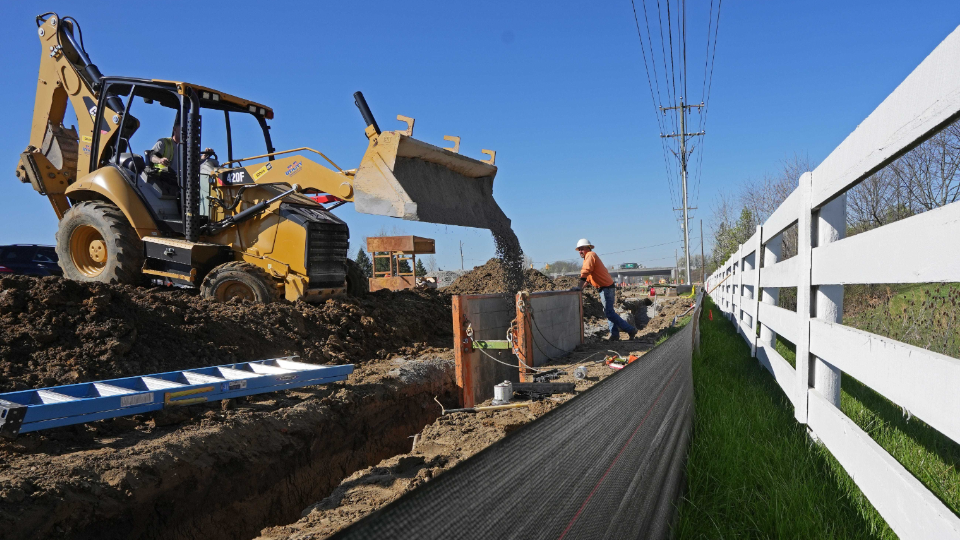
x=240, y=280
x=95, y=242
x=357, y=284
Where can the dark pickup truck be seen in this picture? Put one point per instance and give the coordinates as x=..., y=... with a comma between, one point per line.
x=29, y=260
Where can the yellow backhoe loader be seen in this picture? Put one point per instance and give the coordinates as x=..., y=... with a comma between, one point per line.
x=242, y=229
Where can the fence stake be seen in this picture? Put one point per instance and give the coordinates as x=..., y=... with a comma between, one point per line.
x=828, y=301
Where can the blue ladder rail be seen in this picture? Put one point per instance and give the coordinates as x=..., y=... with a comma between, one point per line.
x=33, y=410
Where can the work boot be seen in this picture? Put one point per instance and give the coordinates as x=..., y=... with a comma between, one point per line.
x=633, y=335
x=613, y=338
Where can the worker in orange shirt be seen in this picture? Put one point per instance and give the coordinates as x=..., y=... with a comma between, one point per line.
x=596, y=274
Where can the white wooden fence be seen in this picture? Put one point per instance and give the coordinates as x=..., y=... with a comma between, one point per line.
x=920, y=249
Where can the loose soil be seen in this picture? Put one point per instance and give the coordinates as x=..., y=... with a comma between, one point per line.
x=54, y=331
x=215, y=472
x=455, y=437
x=229, y=470
x=492, y=278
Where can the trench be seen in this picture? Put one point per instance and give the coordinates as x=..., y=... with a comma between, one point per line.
x=261, y=471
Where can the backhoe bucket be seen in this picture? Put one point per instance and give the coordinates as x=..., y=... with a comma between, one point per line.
x=410, y=179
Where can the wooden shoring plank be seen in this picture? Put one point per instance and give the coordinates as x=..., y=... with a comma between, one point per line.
x=921, y=381
x=913, y=252
x=903, y=501
x=464, y=360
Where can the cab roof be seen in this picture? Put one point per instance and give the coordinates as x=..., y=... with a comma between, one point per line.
x=209, y=97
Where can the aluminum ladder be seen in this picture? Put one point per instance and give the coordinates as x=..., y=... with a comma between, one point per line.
x=33, y=410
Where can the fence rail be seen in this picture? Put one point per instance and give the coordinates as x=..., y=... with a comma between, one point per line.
x=914, y=250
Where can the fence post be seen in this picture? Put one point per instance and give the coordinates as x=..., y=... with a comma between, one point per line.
x=755, y=291
x=804, y=258
x=831, y=227
x=746, y=296
x=738, y=293
x=771, y=254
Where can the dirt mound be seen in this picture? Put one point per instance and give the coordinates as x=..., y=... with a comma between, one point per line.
x=56, y=331
x=493, y=277
x=218, y=472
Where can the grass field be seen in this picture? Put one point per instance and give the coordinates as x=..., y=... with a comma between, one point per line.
x=922, y=315
x=752, y=470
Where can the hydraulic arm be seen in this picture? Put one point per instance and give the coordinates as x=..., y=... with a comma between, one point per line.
x=56, y=155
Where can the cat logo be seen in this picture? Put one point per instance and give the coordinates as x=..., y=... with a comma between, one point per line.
x=262, y=171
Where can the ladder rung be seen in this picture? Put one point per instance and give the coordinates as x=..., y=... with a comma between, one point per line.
x=200, y=378
x=296, y=366
x=232, y=374
x=269, y=370
x=46, y=396
x=159, y=384
x=111, y=390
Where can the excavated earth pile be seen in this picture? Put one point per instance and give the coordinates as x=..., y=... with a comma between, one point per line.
x=228, y=470
x=55, y=331
x=492, y=278
x=218, y=470
x=219, y=473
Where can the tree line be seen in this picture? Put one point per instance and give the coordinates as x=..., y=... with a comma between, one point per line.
x=922, y=179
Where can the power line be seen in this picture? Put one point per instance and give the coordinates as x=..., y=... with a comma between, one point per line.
x=708, y=83
x=622, y=251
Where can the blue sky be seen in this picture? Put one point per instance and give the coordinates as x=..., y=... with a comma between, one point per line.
x=558, y=89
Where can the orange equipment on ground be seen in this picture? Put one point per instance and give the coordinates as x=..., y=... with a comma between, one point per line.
x=396, y=249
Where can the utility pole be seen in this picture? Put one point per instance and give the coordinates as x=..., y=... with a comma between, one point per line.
x=683, y=172
x=676, y=266
x=461, y=255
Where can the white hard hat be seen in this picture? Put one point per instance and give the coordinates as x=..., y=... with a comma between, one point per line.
x=583, y=242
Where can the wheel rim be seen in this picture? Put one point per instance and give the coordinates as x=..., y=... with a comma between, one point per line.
x=234, y=289
x=88, y=251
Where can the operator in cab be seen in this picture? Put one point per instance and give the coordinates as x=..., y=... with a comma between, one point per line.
x=596, y=274
x=163, y=153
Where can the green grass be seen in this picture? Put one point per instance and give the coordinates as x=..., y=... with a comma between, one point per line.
x=929, y=455
x=752, y=470
x=923, y=315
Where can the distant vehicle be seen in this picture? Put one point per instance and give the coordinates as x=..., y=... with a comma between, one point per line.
x=29, y=260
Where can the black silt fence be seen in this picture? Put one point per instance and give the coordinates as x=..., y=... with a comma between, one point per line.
x=608, y=464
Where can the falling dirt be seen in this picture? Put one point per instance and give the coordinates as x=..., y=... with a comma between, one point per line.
x=510, y=254
x=55, y=331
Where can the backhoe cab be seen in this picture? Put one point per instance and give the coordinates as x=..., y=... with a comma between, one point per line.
x=136, y=196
